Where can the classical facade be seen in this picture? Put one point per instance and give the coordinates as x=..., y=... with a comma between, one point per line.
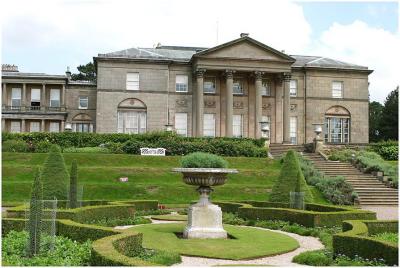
x=226, y=90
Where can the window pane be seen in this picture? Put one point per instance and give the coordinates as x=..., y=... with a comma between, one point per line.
x=15, y=127
x=266, y=88
x=34, y=127
x=54, y=98
x=16, y=93
x=293, y=88
x=35, y=95
x=83, y=102
x=337, y=89
x=293, y=129
x=181, y=83
x=54, y=127
x=132, y=81
x=237, y=86
x=181, y=124
x=209, y=85
x=237, y=126
x=209, y=125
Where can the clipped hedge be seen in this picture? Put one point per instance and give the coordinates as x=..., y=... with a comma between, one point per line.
x=315, y=215
x=130, y=143
x=389, y=150
x=355, y=241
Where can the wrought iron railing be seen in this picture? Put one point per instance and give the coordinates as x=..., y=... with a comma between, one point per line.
x=8, y=108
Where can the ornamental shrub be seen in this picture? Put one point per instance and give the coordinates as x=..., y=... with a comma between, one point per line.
x=389, y=150
x=73, y=185
x=15, y=146
x=203, y=160
x=35, y=216
x=42, y=147
x=290, y=176
x=55, y=176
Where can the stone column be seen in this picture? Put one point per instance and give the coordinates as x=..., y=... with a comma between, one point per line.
x=62, y=126
x=43, y=97
x=42, y=126
x=23, y=129
x=63, y=96
x=229, y=103
x=199, y=102
x=23, y=100
x=258, y=103
x=286, y=108
x=4, y=95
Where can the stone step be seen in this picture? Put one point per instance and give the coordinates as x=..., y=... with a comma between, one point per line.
x=373, y=203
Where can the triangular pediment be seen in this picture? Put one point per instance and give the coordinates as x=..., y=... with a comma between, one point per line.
x=246, y=48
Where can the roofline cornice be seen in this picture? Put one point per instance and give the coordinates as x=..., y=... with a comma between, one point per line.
x=368, y=71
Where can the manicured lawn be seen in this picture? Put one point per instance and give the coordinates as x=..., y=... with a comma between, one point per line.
x=249, y=242
x=149, y=177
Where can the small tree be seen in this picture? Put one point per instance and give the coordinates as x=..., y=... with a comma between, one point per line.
x=35, y=215
x=55, y=176
x=73, y=185
x=290, y=179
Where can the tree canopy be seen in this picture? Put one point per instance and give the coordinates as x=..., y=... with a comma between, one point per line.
x=375, y=114
x=389, y=120
x=86, y=72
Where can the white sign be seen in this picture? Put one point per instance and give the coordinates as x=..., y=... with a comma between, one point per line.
x=152, y=151
x=123, y=179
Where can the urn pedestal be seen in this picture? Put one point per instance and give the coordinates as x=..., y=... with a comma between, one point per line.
x=204, y=218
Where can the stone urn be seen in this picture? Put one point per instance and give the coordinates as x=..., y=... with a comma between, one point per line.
x=204, y=218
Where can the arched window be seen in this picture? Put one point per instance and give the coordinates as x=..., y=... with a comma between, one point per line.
x=82, y=123
x=337, y=125
x=132, y=114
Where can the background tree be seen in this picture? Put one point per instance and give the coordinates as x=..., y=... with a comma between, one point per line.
x=55, y=176
x=35, y=215
x=389, y=119
x=86, y=72
x=375, y=114
x=73, y=185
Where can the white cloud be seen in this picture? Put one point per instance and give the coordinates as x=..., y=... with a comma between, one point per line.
x=364, y=45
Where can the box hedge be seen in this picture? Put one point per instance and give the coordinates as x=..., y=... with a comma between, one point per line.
x=355, y=241
x=130, y=143
x=315, y=215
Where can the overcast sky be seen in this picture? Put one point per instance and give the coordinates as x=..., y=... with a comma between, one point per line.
x=48, y=36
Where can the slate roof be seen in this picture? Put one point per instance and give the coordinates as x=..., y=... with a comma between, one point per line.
x=184, y=54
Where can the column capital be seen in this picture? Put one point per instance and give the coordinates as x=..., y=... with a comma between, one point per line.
x=200, y=72
x=229, y=73
x=286, y=77
x=258, y=75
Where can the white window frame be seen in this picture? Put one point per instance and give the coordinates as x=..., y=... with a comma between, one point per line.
x=34, y=129
x=293, y=129
x=132, y=81
x=37, y=92
x=265, y=88
x=87, y=102
x=209, y=125
x=15, y=126
x=52, y=99
x=137, y=125
x=240, y=86
x=181, y=83
x=293, y=88
x=80, y=127
x=181, y=124
x=210, y=79
x=337, y=92
x=54, y=127
x=16, y=98
x=237, y=126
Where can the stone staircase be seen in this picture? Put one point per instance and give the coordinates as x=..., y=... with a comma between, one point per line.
x=371, y=191
x=277, y=149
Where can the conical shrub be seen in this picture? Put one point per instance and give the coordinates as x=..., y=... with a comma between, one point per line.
x=73, y=185
x=35, y=216
x=55, y=176
x=290, y=179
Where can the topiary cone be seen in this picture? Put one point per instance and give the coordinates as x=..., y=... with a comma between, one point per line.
x=35, y=216
x=73, y=185
x=291, y=179
x=55, y=176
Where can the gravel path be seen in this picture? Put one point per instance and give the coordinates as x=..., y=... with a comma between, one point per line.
x=384, y=212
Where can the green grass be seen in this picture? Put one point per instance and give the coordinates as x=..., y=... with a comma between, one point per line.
x=249, y=242
x=387, y=237
x=149, y=177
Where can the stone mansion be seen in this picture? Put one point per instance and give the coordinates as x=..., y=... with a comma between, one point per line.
x=226, y=90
